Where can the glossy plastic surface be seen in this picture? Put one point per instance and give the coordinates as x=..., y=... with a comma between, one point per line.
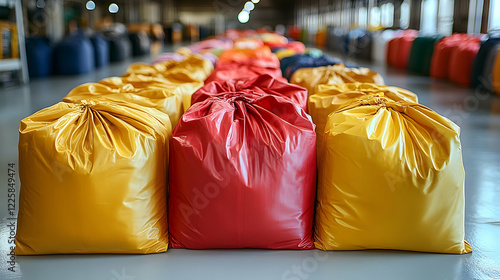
x=329, y=98
x=390, y=177
x=310, y=78
x=242, y=175
x=93, y=180
x=264, y=84
x=145, y=91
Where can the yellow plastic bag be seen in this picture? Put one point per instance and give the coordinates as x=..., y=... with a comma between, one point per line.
x=193, y=68
x=285, y=53
x=331, y=75
x=145, y=91
x=93, y=179
x=190, y=73
x=390, y=177
x=329, y=98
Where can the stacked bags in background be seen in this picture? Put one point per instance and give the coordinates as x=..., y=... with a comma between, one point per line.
x=152, y=93
x=398, y=49
x=187, y=74
x=453, y=58
x=76, y=196
x=422, y=49
x=483, y=67
x=292, y=63
x=440, y=64
x=245, y=132
x=245, y=64
x=193, y=68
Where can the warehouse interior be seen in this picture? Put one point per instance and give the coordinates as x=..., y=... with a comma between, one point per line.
x=255, y=139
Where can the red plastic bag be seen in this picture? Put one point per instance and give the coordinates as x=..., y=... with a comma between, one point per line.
x=441, y=56
x=461, y=60
x=242, y=175
x=398, y=49
x=245, y=70
x=262, y=85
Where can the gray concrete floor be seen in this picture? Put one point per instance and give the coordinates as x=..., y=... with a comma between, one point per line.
x=477, y=113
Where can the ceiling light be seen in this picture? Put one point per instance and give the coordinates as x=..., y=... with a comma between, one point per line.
x=243, y=16
x=249, y=6
x=113, y=8
x=90, y=5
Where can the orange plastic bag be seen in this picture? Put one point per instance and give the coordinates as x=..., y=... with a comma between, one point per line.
x=390, y=177
x=93, y=179
x=310, y=78
x=496, y=74
x=239, y=55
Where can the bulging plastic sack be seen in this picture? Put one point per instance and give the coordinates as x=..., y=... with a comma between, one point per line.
x=262, y=85
x=192, y=69
x=169, y=56
x=93, y=180
x=235, y=33
x=152, y=93
x=247, y=70
x=310, y=78
x=496, y=74
x=461, y=60
x=239, y=55
x=255, y=163
x=442, y=53
x=282, y=53
x=213, y=43
x=390, y=177
x=248, y=43
x=292, y=63
x=329, y=98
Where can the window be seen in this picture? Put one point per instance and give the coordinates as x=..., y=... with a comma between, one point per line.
x=336, y=18
x=362, y=17
x=494, y=18
x=387, y=15
x=428, y=22
x=375, y=16
x=445, y=17
x=404, y=22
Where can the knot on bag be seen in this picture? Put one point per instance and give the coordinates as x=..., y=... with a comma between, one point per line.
x=86, y=104
x=382, y=101
x=234, y=96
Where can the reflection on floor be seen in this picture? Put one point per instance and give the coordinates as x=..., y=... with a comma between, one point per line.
x=477, y=113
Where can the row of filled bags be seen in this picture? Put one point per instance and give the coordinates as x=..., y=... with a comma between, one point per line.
x=159, y=157
x=466, y=60
x=82, y=52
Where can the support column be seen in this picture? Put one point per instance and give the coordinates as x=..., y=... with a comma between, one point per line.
x=415, y=11
x=397, y=14
x=55, y=19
